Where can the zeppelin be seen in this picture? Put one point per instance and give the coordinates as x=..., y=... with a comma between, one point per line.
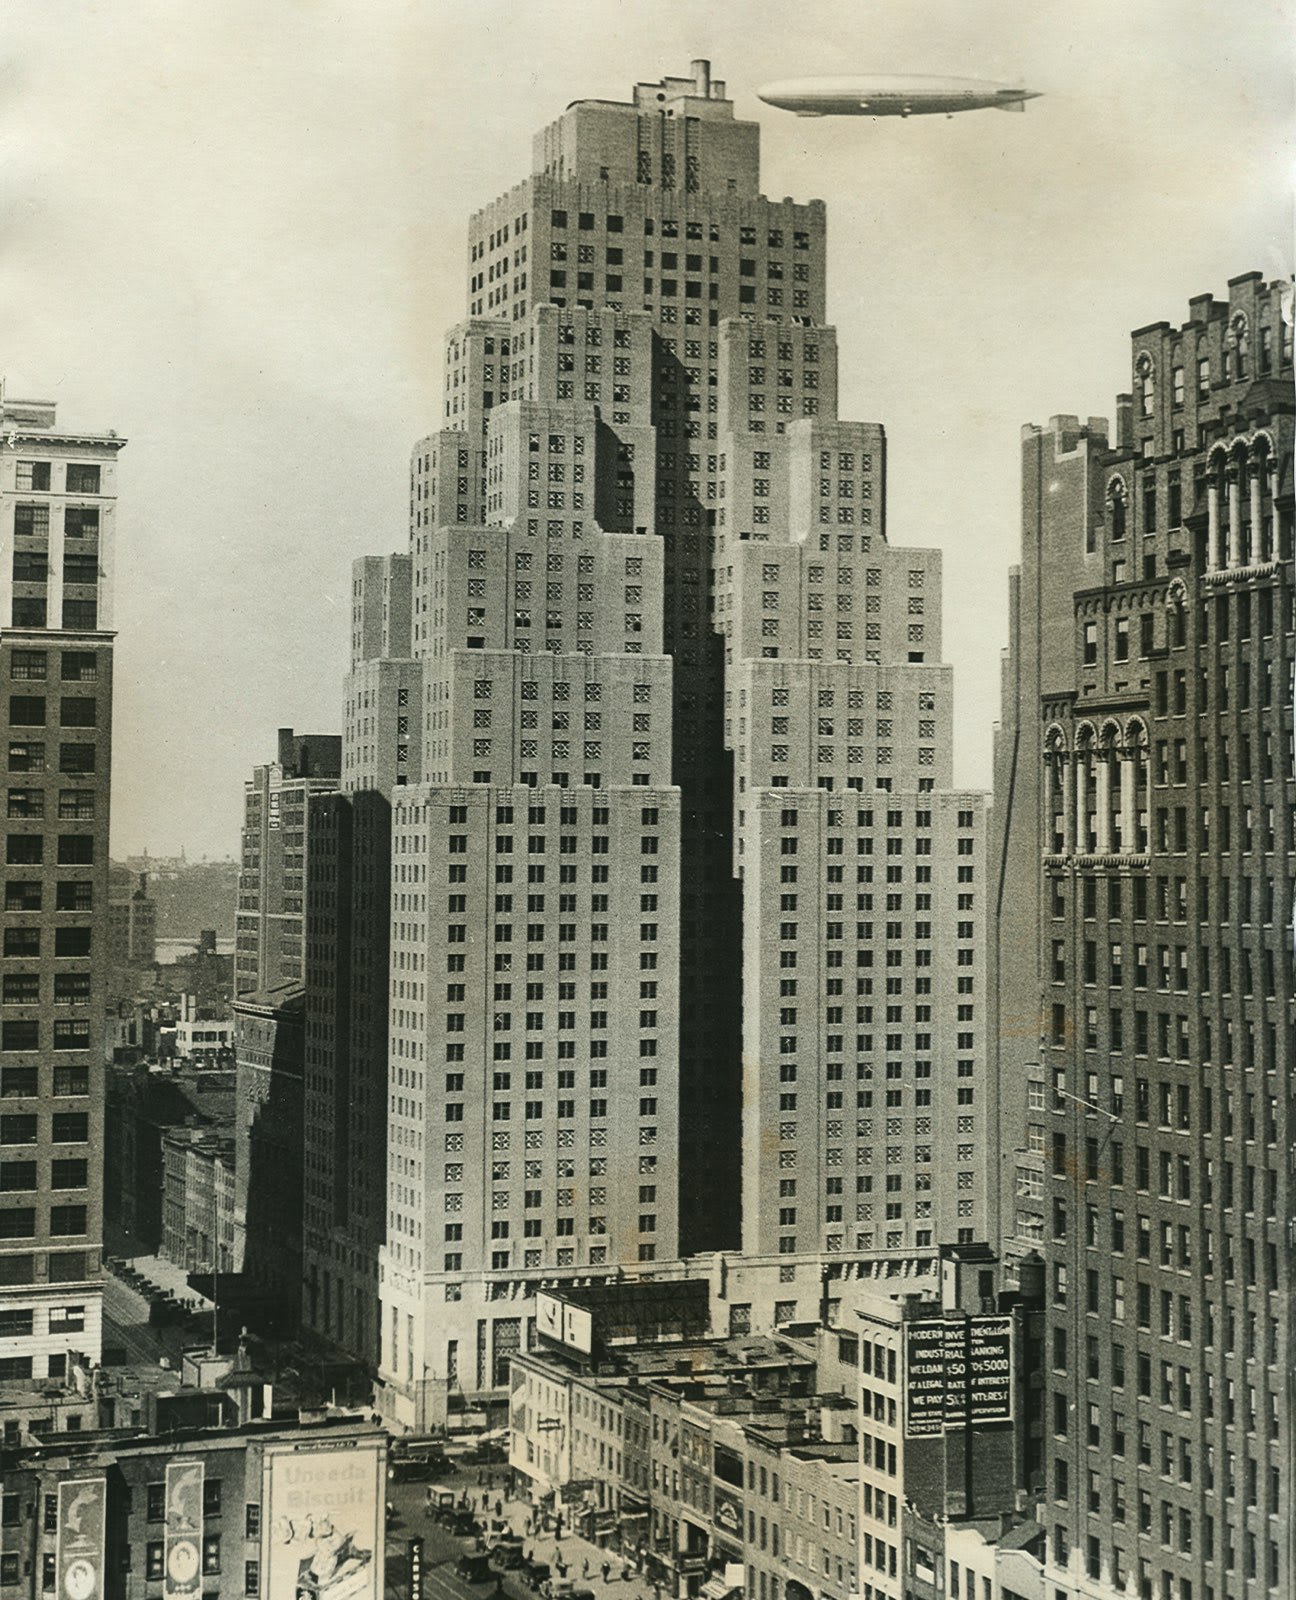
x=892, y=96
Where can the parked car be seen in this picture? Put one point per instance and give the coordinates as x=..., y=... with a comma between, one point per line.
x=535, y=1574
x=507, y=1554
x=475, y=1566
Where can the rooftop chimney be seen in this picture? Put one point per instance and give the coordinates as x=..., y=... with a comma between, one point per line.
x=702, y=78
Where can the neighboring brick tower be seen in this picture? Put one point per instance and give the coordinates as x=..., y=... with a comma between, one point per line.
x=271, y=919
x=1151, y=708
x=57, y=533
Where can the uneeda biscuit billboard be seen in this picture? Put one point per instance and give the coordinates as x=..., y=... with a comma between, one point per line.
x=323, y=1523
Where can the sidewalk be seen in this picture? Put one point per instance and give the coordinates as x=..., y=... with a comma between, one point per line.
x=171, y=1279
x=583, y=1560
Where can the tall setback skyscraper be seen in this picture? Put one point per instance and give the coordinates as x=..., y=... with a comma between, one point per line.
x=1145, y=796
x=684, y=906
x=57, y=535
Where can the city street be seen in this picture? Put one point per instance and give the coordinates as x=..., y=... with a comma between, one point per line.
x=582, y=1558
x=127, y=1326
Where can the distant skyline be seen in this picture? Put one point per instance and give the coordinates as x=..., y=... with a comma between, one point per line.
x=238, y=236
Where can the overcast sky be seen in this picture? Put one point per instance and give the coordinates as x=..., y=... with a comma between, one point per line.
x=235, y=233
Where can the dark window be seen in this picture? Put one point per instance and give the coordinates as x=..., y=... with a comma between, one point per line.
x=78, y=711
x=81, y=522
x=30, y=566
x=28, y=665
x=76, y=758
x=26, y=756
x=17, y=1269
x=80, y=613
x=79, y=666
x=17, y=1222
x=76, y=849
x=80, y=569
x=82, y=477
x=67, y=1266
x=27, y=710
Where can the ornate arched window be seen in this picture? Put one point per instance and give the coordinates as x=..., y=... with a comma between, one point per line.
x=1146, y=383
x=1116, y=506
x=1240, y=343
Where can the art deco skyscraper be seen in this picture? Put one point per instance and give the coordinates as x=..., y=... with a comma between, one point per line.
x=57, y=534
x=668, y=748
x=1147, y=841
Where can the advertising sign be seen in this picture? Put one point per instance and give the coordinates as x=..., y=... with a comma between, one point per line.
x=728, y=1514
x=578, y=1328
x=958, y=1373
x=79, y=1558
x=416, y=1569
x=323, y=1523
x=566, y=1324
x=182, y=1573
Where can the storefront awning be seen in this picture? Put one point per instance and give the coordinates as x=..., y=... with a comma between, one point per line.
x=718, y=1589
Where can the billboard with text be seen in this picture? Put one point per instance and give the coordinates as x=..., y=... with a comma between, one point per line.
x=323, y=1523
x=958, y=1373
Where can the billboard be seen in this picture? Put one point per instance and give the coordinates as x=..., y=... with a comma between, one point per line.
x=323, y=1519
x=958, y=1374
x=79, y=1557
x=182, y=1569
x=578, y=1328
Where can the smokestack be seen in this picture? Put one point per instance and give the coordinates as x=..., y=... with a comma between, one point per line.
x=702, y=79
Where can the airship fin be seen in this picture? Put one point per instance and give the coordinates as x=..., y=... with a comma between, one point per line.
x=1010, y=105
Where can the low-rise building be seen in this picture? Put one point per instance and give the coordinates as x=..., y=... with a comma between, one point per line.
x=143, y=1104
x=198, y=1200
x=252, y=1509
x=719, y=1464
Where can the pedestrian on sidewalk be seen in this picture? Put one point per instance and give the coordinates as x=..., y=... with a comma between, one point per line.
x=585, y=1568
x=607, y=1568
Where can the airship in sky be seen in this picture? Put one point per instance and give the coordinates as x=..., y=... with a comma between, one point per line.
x=892, y=96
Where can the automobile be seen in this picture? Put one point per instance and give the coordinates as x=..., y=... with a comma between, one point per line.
x=557, y=1589
x=465, y=1525
x=412, y=1471
x=534, y=1574
x=475, y=1566
x=507, y=1554
x=439, y=1502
